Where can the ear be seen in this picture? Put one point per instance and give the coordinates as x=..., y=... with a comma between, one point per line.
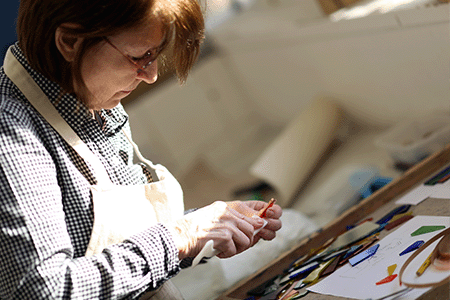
x=67, y=43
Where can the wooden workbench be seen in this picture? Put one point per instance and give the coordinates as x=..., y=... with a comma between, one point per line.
x=376, y=206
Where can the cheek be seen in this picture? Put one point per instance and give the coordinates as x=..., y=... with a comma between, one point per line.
x=91, y=70
x=102, y=80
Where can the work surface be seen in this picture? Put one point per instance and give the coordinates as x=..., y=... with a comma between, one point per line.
x=376, y=206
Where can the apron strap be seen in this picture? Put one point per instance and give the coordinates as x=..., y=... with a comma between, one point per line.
x=20, y=77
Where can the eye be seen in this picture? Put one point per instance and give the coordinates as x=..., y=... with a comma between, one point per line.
x=145, y=57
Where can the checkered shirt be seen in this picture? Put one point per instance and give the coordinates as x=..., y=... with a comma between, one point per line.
x=46, y=214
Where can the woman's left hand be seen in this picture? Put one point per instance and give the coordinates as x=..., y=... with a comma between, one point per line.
x=272, y=216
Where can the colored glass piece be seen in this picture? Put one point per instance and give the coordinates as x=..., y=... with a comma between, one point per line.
x=363, y=255
x=387, y=279
x=427, y=229
x=391, y=269
x=412, y=247
x=398, y=222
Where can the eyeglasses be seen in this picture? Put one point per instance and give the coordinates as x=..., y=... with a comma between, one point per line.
x=141, y=63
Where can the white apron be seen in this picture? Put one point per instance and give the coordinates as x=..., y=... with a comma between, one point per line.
x=119, y=211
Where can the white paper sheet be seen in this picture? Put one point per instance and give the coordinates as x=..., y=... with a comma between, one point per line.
x=422, y=192
x=416, y=195
x=442, y=191
x=359, y=282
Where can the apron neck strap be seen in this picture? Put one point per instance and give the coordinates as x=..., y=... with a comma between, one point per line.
x=22, y=79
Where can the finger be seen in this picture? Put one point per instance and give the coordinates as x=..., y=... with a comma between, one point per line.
x=228, y=250
x=224, y=244
x=274, y=212
x=244, y=227
x=266, y=234
x=254, y=221
x=273, y=224
x=256, y=239
x=256, y=205
x=242, y=207
x=242, y=242
x=232, y=242
x=232, y=234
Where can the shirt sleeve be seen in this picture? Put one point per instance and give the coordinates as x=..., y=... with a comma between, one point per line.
x=36, y=250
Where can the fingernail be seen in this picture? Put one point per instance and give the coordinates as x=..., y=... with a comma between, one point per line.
x=269, y=213
x=260, y=221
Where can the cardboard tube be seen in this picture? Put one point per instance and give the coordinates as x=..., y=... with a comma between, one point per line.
x=291, y=157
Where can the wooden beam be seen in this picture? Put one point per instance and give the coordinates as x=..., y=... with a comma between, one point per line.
x=397, y=187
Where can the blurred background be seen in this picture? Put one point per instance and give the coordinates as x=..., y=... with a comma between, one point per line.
x=293, y=98
x=8, y=16
x=317, y=103
x=306, y=101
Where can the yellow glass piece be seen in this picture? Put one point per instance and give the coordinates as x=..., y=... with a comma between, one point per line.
x=314, y=275
x=391, y=269
x=396, y=217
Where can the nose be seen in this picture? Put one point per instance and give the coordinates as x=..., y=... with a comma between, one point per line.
x=150, y=74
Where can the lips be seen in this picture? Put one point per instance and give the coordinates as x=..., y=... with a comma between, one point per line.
x=130, y=90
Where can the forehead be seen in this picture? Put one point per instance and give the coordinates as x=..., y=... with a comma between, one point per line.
x=143, y=37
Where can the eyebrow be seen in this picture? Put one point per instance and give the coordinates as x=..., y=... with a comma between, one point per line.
x=159, y=48
x=163, y=44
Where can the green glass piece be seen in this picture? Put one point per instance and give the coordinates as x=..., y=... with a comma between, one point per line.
x=427, y=229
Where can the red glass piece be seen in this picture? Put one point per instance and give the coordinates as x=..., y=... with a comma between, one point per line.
x=387, y=279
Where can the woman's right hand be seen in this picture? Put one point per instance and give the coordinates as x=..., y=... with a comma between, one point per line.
x=231, y=231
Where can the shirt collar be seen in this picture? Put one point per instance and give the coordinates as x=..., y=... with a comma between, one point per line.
x=113, y=120
x=74, y=112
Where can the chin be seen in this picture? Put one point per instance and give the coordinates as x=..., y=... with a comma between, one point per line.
x=107, y=102
x=108, y=105
x=111, y=104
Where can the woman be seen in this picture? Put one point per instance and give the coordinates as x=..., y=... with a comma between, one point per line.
x=78, y=218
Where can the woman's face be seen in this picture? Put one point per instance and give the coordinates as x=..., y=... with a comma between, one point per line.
x=109, y=74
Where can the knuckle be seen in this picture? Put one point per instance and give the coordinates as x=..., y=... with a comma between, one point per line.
x=226, y=235
x=219, y=204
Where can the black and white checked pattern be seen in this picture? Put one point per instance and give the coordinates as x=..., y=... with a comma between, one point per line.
x=46, y=212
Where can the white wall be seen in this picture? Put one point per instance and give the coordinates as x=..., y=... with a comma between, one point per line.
x=271, y=63
x=381, y=67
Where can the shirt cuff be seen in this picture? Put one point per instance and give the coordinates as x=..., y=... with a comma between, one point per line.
x=159, y=250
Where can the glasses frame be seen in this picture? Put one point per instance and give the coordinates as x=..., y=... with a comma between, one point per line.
x=139, y=67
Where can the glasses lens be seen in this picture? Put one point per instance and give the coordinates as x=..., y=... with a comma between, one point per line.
x=147, y=59
x=141, y=62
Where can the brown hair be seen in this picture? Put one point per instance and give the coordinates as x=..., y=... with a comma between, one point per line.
x=38, y=20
